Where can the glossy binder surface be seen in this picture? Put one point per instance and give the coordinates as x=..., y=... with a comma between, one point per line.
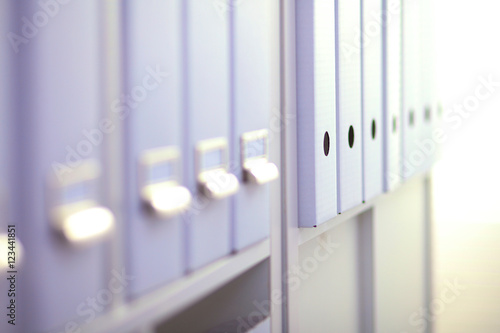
x=316, y=120
x=153, y=77
x=372, y=99
x=392, y=95
x=58, y=131
x=429, y=112
x=255, y=66
x=349, y=130
x=206, y=116
x=413, y=116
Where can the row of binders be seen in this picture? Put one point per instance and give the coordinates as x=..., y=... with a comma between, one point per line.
x=367, y=113
x=200, y=81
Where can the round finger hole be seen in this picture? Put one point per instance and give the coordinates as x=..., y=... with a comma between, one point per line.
x=351, y=136
x=427, y=113
x=326, y=143
x=412, y=117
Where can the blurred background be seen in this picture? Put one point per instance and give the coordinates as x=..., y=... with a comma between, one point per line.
x=466, y=181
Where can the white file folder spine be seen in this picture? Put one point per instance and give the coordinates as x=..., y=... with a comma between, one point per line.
x=58, y=144
x=153, y=64
x=392, y=94
x=412, y=120
x=316, y=122
x=349, y=128
x=255, y=95
x=429, y=106
x=372, y=91
x=206, y=117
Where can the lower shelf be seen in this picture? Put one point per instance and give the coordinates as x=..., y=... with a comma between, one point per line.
x=168, y=301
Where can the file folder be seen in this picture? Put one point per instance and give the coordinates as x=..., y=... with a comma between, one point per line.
x=429, y=109
x=58, y=193
x=412, y=123
x=255, y=77
x=155, y=197
x=392, y=95
x=206, y=132
x=316, y=120
x=372, y=99
x=349, y=131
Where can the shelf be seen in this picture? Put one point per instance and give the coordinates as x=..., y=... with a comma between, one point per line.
x=306, y=234
x=168, y=301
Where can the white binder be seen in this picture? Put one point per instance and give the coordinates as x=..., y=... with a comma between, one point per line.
x=429, y=112
x=61, y=216
x=349, y=131
x=206, y=131
x=316, y=122
x=255, y=73
x=392, y=96
x=412, y=119
x=372, y=100
x=154, y=194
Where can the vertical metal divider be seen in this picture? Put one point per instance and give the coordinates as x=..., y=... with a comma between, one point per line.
x=111, y=13
x=337, y=103
x=385, y=139
x=428, y=247
x=363, y=113
x=366, y=271
x=290, y=232
x=232, y=121
x=276, y=149
x=401, y=92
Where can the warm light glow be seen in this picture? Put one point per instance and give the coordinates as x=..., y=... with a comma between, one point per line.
x=172, y=200
x=88, y=224
x=219, y=184
x=261, y=171
x=466, y=181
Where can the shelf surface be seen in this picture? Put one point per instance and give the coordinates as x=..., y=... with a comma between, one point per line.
x=166, y=302
x=306, y=234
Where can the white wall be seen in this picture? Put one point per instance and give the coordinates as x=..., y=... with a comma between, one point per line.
x=377, y=263
x=467, y=179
